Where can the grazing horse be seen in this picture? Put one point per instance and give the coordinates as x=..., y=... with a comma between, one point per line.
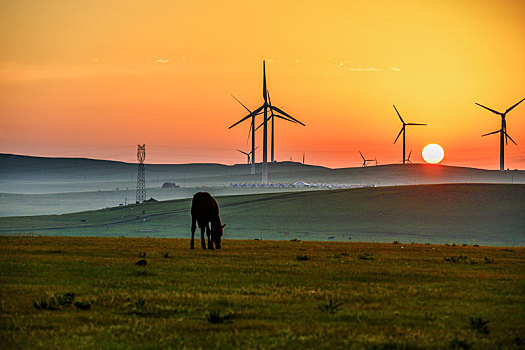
x=204, y=210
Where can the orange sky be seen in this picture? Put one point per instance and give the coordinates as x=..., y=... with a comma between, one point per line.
x=95, y=78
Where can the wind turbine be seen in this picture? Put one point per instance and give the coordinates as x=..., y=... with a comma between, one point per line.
x=265, y=108
x=247, y=154
x=366, y=160
x=503, y=133
x=272, y=117
x=252, y=130
x=403, y=131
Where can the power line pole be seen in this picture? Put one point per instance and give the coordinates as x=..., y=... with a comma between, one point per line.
x=141, y=176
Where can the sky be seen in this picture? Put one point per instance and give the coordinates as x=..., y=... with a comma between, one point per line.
x=94, y=78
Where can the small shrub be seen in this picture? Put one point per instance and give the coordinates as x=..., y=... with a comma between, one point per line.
x=302, y=257
x=142, y=255
x=464, y=244
x=331, y=306
x=54, y=302
x=167, y=255
x=456, y=259
x=488, y=260
x=475, y=245
x=295, y=240
x=366, y=256
x=214, y=316
x=345, y=254
x=141, y=262
x=395, y=242
x=82, y=305
x=473, y=262
x=479, y=324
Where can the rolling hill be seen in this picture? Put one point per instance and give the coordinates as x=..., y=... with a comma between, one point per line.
x=485, y=214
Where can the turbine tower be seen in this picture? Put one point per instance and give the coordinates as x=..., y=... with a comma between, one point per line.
x=365, y=161
x=403, y=128
x=141, y=176
x=503, y=133
x=264, y=109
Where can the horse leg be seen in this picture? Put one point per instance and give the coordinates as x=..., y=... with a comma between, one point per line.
x=208, y=232
x=203, y=244
x=193, y=227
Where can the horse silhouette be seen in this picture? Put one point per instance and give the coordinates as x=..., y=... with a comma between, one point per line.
x=205, y=211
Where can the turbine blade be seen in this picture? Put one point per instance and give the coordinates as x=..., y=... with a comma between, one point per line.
x=403, y=128
x=254, y=113
x=243, y=152
x=508, y=110
x=241, y=103
x=265, y=91
x=249, y=134
x=490, y=133
x=414, y=124
x=399, y=115
x=284, y=118
x=507, y=135
x=286, y=114
x=361, y=155
x=493, y=111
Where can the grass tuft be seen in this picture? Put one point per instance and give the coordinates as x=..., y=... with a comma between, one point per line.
x=459, y=343
x=331, y=306
x=302, y=257
x=54, y=302
x=480, y=325
x=214, y=316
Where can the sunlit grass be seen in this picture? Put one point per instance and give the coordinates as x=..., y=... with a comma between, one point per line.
x=259, y=293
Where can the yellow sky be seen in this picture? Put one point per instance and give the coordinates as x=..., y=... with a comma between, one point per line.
x=95, y=78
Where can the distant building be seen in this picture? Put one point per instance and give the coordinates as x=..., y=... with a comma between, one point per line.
x=170, y=185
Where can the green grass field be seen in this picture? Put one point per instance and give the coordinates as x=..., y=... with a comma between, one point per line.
x=258, y=295
x=484, y=214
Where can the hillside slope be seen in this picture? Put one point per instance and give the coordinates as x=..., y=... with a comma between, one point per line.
x=485, y=214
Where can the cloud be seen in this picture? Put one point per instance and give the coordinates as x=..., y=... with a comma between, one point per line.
x=362, y=69
x=162, y=61
x=296, y=61
x=395, y=69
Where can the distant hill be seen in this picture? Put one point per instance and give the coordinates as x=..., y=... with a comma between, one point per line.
x=15, y=168
x=38, y=185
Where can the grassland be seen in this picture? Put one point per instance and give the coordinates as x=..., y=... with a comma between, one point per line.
x=484, y=214
x=259, y=295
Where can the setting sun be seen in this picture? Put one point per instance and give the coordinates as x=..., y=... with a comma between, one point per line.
x=433, y=153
